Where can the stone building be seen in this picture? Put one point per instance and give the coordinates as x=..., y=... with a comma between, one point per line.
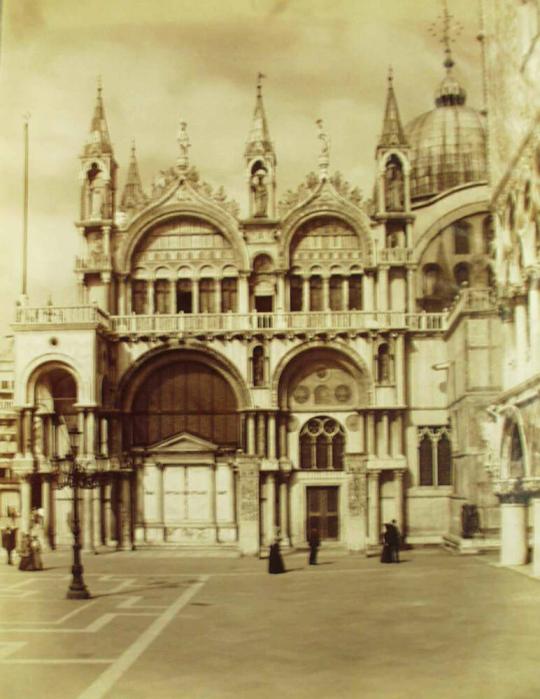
x=9, y=486
x=306, y=365
x=511, y=45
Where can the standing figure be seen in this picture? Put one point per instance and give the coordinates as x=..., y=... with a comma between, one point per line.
x=395, y=195
x=395, y=536
x=386, y=553
x=9, y=535
x=275, y=561
x=35, y=548
x=25, y=553
x=260, y=193
x=314, y=541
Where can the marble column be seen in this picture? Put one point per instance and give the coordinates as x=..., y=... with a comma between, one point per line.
x=28, y=433
x=96, y=518
x=398, y=481
x=20, y=433
x=46, y=505
x=172, y=296
x=250, y=433
x=283, y=451
x=382, y=441
x=26, y=504
x=195, y=296
x=104, y=437
x=325, y=293
x=411, y=295
x=368, y=300
x=397, y=435
x=271, y=427
x=217, y=295
x=150, y=298
x=125, y=513
x=514, y=545
x=374, y=508
x=305, y=294
x=280, y=292
x=161, y=493
x=90, y=433
x=270, y=506
x=81, y=426
x=345, y=293
x=284, y=510
x=370, y=432
x=399, y=369
x=87, y=519
x=108, y=515
x=383, y=289
x=535, y=502
x=261, y=434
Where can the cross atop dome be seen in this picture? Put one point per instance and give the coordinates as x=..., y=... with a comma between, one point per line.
x=447, y=29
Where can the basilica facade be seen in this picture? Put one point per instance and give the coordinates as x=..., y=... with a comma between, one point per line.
x=323, y=362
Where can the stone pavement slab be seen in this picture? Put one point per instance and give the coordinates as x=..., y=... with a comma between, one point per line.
x=167, y=626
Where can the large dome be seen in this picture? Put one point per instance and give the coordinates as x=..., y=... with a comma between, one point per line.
x=448, y=144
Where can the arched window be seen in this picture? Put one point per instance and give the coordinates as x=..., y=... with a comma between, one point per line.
x=228, y=295
x=426, y=460
x=206, y=296
x=355, y=292
x=462, y=231
x=296, y=293
x=384, y=373
x=184, y=296
x=257, y=358
x=139, y=297
x=336, y=293
x=431, y=279
x=162, y=296
x=315, y=294
x=444, y=461
x=488, y=234
x=322, y=444
x=434, y=456
x=461, y=273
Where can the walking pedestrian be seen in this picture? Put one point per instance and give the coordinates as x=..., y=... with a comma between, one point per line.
x=275, y=561
x=9, y=536
x=314, y=541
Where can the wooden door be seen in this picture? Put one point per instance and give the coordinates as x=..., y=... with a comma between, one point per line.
x=323, y=511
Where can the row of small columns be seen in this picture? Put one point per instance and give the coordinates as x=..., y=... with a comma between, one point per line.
x=370, y=300
x=380, y=433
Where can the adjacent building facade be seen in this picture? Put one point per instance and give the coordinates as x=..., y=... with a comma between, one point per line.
x=323, y=362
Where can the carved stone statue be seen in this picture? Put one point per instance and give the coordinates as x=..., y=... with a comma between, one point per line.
x=260, y=193
x=95, y=188
x=394, y=189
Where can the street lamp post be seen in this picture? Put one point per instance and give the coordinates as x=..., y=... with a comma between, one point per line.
x=72, y=473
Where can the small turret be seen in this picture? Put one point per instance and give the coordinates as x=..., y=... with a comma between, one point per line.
x=133, y=196
x=260, y=162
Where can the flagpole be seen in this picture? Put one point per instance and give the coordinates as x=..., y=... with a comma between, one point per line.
x=24, y=288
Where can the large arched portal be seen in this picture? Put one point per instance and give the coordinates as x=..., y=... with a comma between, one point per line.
x=182, y=429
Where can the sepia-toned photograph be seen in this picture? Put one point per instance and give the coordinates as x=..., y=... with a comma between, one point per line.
x=270, y=349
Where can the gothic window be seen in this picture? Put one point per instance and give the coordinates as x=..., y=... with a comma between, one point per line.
x=139, y=296
x=461, y=273
x=229, y=295
x=315, y=294
x=355, y=292
x=184, y=297
x=434, y=456
x=336, y=293
x=384, y=373
x=322, y=444
x=257, y=359
x=431, y=279
x=488, y=234
x=462, y=232
x=162, y=296
x=296, y=293
x=206, y=296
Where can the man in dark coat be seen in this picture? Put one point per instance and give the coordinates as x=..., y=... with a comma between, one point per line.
x=275, y=561
x=9, y=535
x=314, y=541
x=394, y=539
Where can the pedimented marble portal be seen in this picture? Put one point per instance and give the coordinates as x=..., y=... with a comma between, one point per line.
x=186, y=493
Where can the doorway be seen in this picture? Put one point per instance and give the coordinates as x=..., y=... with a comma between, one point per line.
x=322, y=511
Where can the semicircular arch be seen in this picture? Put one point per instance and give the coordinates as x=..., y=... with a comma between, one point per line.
x=25, y=392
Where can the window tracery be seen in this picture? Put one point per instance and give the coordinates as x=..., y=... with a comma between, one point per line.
x=434, y=456
x=322, y=444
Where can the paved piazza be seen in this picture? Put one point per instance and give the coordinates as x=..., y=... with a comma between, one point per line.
x=160, y=625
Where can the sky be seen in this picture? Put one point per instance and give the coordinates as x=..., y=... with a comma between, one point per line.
x=164, y=61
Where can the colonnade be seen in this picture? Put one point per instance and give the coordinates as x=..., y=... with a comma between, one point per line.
x=306, y=292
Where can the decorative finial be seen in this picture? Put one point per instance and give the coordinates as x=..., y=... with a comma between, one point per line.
x=99, y=85
x=260, y=78
x=390, y=76
x=446, y=29
x=133, y=148
x=324, y=157
x=185, y=145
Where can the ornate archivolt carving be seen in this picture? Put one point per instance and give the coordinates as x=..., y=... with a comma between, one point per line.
x=293, y=198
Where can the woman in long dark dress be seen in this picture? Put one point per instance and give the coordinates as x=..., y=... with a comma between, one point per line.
x=386, y=554
x=275, y=561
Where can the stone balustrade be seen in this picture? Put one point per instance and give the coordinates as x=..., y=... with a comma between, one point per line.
x=331, y=321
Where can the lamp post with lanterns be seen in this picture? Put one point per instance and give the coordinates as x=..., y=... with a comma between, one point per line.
x=72, y=472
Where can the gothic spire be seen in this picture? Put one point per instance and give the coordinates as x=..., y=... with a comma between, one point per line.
x=259, y=141
x=392, y=132
x=98, y=140
x=133, y=195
